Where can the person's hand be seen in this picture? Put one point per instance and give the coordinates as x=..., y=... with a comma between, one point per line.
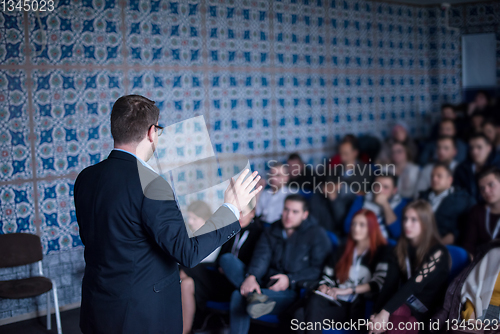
x=281, y=284
x=381, y=199
x=334, y=292
x=323, y=288
x=239, y=193
x=378, y=322
x=249, y=285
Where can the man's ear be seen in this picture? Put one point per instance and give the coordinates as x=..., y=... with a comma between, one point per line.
x=151, y=133
x=305, y=215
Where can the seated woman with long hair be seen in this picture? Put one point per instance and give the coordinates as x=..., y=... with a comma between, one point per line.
x=424, y=266
x=365, y=266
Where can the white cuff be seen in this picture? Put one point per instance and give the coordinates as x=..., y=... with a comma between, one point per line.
x=233, y=209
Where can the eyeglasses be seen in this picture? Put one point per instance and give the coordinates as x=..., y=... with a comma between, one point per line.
x=160, y=129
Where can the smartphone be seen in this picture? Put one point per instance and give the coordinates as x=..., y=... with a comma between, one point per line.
x=271, y=282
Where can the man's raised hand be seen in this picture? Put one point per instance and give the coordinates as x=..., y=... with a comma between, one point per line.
x=240, y=192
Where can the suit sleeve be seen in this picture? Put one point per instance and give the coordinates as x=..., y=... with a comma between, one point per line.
x=163, y=220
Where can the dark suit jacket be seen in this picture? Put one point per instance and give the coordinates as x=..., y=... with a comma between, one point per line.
x=134, y=236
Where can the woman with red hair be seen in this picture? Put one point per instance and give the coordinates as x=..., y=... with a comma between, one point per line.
x=365, y=269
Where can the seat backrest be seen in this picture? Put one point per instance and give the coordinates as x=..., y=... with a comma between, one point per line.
x=18, y=249
x=459, y=260
x=333, y=238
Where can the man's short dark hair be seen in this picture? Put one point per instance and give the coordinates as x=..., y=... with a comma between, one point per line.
x=295, y=156
x=480, y=135
x=445, y=166
x=393, y=177
x=131, y=118
x=298, y=198
x=488, y=171
x=447, y=105
x=351, y=139
x=441, y=138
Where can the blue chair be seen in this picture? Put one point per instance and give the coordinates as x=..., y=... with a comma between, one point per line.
x=333, y=238
x=459, y=260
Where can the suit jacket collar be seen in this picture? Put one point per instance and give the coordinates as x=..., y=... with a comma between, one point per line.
x=115, y=154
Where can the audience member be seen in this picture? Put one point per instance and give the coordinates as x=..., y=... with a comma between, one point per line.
x=448, y=203
x=301, y=176
x=351, y=171
x=270, y=204
x=385, y=202
x=424, y=266
x=330, y=206
x=483, y=224
x=335, y=160
x=446, y=128
x=400, y=134
x=364, y=266
x=475, y=292
x=480, y=105
x=288, y=255
x=406, y=171
x=446, y=153
x=490, y=131
x=481, y=156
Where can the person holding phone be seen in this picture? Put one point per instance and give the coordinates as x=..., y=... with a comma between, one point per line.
x=288, y=255
x=365, y=266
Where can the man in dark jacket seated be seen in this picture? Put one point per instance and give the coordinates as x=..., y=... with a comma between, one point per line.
x=448, y=203
x=483, y=224
x=481, y=156
x=287, y=256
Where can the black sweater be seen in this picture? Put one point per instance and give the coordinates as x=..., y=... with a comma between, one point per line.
x=426, y=285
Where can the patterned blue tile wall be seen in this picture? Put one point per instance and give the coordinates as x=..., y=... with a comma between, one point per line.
x=270, y=77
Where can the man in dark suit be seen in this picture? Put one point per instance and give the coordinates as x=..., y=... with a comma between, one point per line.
x=134, y=233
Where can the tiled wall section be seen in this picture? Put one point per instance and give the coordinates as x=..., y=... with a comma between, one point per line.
x=270, y=77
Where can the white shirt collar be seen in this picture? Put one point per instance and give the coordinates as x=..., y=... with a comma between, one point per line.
x=142, y=161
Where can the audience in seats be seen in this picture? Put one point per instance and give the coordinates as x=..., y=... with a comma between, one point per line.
x=288, y=255
x=446, y=153
x=406, y=171
x=481, y=156
x=387, y=251
x=330, y=205
x=363, y=269
x=209, y=281
x=424, y=265
x=446, y=128
x=270, y=204
x=483, y=224
x=385, y=202
x=449, y=204
x=301, y=176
